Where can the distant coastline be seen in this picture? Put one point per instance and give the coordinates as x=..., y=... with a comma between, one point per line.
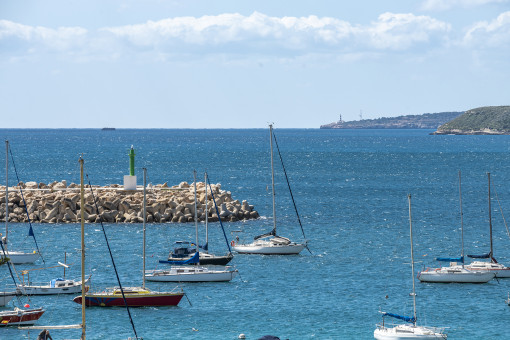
x=423, y=121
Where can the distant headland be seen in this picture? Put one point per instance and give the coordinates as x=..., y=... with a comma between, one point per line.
x=423, y=121
x=487, y=120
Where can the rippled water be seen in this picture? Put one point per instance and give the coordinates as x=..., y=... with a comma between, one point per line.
x=351, y=189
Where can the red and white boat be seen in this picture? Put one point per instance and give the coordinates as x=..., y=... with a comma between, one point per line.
x=135, y=297
x=20, y=316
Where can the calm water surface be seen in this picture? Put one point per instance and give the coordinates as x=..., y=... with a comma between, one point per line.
x=351, y=189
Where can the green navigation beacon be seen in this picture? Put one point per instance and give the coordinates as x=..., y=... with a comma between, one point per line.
x=132, y=161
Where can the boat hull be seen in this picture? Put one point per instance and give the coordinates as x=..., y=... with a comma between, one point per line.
x=455, y=277
x=291, y=249
x=205, y=259
x=408, y=332
x=48, y=290
x=18, y=257
x=110, y=300
x=20, y=317
x=174, y=276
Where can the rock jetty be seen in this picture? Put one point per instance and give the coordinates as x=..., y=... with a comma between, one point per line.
x=58, y=202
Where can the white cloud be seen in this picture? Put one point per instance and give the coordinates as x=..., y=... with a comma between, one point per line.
x=234, y=33
x=225, y=29
x=443, y=5
x=401, y=31
x=62, y=38
x=492, y=34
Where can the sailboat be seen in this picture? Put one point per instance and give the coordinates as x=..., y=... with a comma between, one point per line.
x=185, y=250
x=133, y=296
x=54, y=286
x=17, y=316
x=45, y=329
x=16, y=257
x=455, y=273
x=270, y=243
x=492, y=266
x=410, y=330
x=188, y=270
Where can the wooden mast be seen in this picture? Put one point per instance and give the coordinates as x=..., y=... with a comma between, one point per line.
x=196, y=219
x=82, y=220
x=144, y=222
x=6, y=195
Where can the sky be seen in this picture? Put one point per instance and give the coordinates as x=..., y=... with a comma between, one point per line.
x=247, y=63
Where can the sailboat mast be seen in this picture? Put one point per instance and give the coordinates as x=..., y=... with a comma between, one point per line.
x=412, y=257
x=206, y=214
x=490, y=215
x=461, y=221
x=272, y=175
x=82, y=220
x=6, y=193
x=144, y=221
x=196, y=219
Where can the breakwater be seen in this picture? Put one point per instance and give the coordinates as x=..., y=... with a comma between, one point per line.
x=58, y=202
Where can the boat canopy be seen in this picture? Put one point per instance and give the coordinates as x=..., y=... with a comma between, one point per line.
x=272, y=233
x=185, y=249
x=54, y=282
x=193, y=260
x=401, y=317
x=451, y=259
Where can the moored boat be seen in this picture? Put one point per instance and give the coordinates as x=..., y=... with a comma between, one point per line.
x=492, y=266
x=55, y=286
x=192, y=274
x=16, y=257
x=19, y=316
x=410, y=330
x=270, y=243
x=454, y=274
x=135, y=297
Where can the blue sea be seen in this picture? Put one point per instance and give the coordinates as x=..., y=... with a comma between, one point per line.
x=351, y=189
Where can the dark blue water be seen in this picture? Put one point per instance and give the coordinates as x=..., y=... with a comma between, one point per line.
x=351, y=189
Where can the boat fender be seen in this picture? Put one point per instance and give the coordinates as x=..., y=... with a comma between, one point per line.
x=232, y=243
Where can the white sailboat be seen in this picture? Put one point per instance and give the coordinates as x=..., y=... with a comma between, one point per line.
x=270, y=243
x=410, y=330
x=455, y=273
x=192, y=273
x=16, y=257
x=53, y=287
x=492, y=266
x=185, y=250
